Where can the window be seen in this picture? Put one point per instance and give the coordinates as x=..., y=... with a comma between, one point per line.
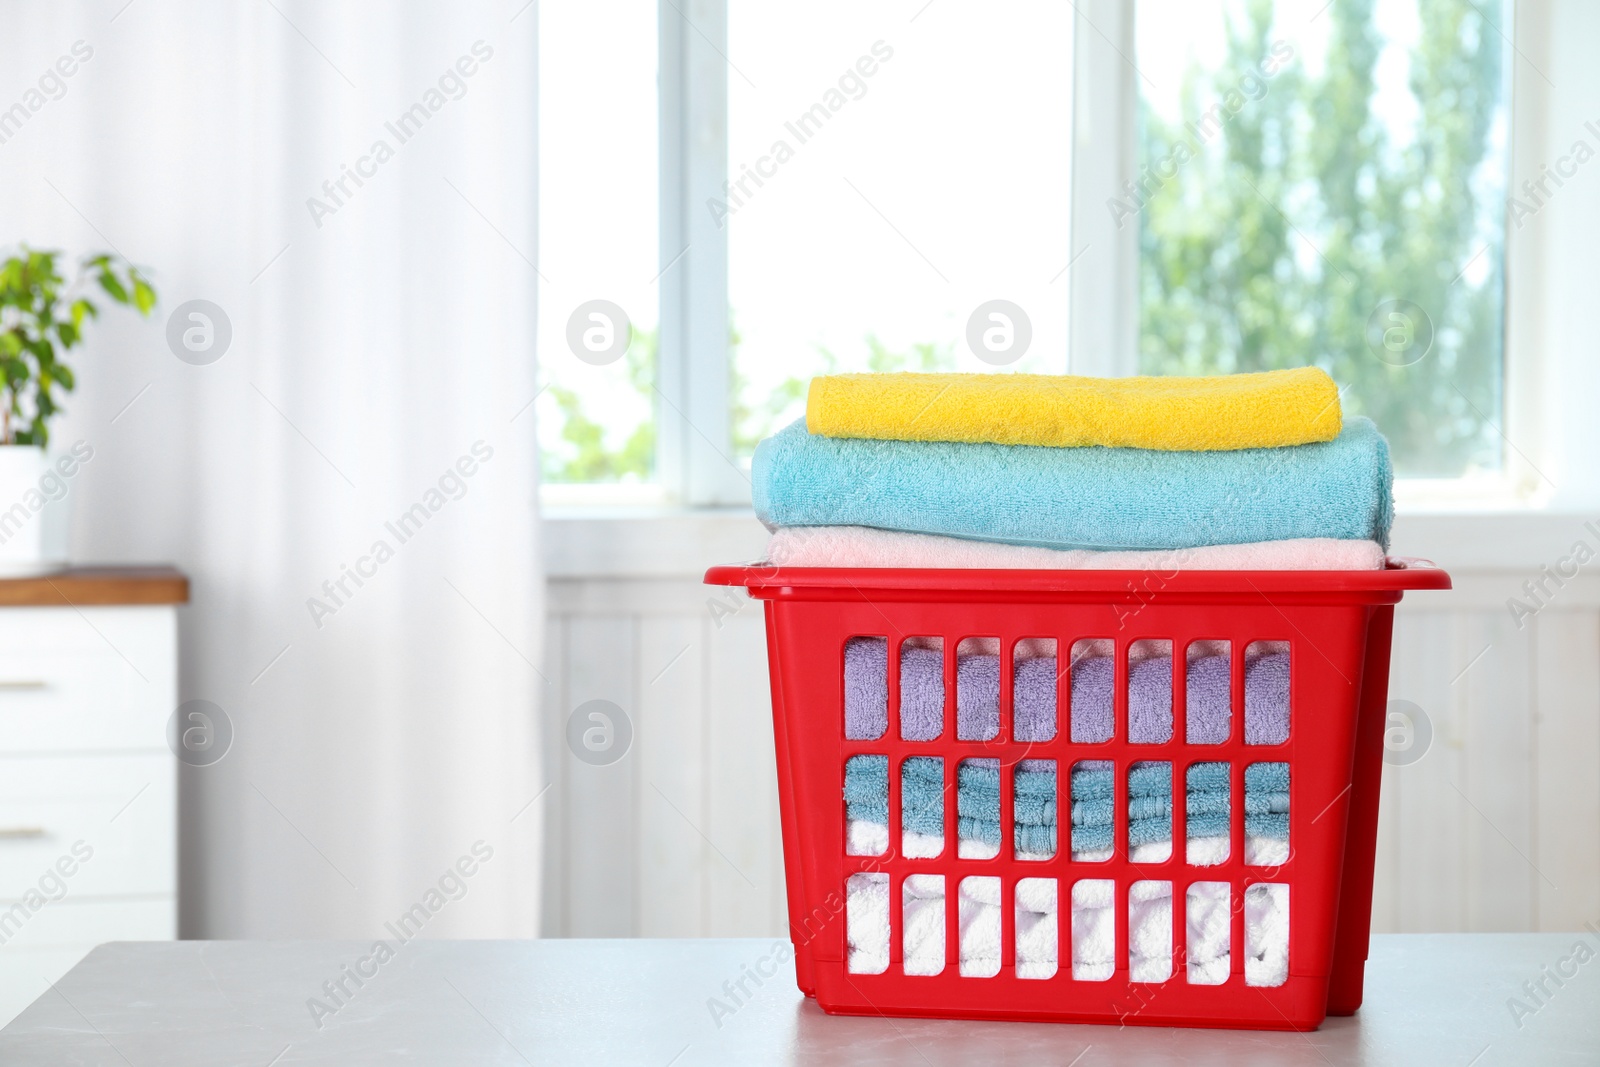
x=598, y=222
x=769, y=192
x=891, y=177
x=1326, y=183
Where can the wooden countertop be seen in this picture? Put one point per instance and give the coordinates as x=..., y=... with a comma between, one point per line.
x=96, y=585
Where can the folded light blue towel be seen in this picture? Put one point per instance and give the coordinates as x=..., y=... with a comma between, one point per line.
x=1106, y=498
x=1034, y=812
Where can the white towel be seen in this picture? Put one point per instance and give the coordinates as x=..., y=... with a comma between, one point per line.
x=864, y=838
x=1207, y=915
x=865, y=546
x=924, y=918
x=1266, y=934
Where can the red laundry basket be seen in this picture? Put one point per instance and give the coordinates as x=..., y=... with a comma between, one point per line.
x=1337, y=626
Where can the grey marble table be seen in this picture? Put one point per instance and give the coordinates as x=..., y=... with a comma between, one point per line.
x=1434, y=998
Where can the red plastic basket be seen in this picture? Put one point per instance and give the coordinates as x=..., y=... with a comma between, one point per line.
x=1337, y=625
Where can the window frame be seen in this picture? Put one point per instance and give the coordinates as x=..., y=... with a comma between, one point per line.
x=1523, y=363
x=695, y=461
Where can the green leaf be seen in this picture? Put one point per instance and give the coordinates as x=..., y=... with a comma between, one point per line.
x=112, y=285
x=144, y=297
x=48, y=321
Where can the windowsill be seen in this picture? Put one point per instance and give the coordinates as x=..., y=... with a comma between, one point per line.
x=646, y=540
x=622, y=497
x=1483, y=495
x=665, y=540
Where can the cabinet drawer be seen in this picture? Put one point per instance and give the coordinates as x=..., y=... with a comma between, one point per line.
x=121, y=807
x=144, y=633
x=103, y=678
x=54, y=703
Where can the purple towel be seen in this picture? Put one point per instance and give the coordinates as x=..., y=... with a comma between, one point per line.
x=1266, y=699
x=866, y=688
x=1206, y=700
x=1208, y=709
x=1149, y=700
x=978, y=700
x=921, y=693
x=978, y=697
x=866, y=698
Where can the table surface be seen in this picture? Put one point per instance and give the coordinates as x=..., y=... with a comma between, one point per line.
x=1431, y=998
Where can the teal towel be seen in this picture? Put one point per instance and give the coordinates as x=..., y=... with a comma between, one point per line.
x=1105, y=498
x=1034, y=812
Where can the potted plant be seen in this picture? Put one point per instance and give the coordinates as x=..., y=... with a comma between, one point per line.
x=42, y=315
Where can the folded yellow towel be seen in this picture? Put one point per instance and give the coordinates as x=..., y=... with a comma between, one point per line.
x=1265, y=410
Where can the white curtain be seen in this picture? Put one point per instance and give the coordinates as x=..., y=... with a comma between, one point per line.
x=382, y=347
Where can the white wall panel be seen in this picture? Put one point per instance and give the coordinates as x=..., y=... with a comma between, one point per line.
x=602, y=802
x=670, y=736
x=1566, y=797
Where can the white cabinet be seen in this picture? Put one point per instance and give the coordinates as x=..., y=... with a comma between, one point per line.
x=88, y=785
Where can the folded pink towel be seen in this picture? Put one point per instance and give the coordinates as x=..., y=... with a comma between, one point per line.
x=866, y=546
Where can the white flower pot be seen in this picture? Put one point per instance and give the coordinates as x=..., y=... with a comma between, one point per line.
x=32, y=497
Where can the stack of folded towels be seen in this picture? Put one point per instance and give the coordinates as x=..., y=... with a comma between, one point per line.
x=1242, y=472
x=1147, y=821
